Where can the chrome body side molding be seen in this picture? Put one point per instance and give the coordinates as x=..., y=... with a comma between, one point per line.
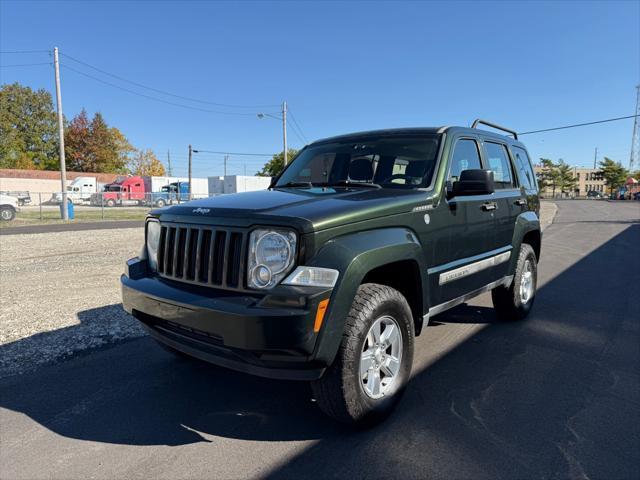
x=474, y=267
x=457, y=301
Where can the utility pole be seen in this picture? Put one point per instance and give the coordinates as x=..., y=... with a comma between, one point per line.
x=226, y=157
x=63, y=166
x=595, y=158
x=284, y=129
x=634, y=161
x=190, y=153
x=169, y=161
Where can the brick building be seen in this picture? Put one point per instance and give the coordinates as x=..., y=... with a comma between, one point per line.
x=587, y=180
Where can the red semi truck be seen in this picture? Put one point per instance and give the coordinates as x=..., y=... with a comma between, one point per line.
x=124, y=191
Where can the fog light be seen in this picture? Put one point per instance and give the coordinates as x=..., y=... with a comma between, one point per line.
x=262, y=275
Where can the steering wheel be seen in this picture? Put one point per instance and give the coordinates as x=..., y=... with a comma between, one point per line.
x=399, y=176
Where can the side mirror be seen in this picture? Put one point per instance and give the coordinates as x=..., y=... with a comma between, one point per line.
x=474, y=182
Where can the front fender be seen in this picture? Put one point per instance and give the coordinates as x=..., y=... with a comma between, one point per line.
x=354, y=255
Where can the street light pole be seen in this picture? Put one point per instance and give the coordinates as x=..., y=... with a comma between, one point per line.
x=284, y=127
x=284, y=130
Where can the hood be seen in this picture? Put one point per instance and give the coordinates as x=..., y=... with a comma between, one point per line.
x=311, y=209
x=8, y=200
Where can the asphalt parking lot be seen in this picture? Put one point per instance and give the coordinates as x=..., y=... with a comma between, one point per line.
x=555, y=396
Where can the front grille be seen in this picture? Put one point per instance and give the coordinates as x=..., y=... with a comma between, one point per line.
x=210, y=256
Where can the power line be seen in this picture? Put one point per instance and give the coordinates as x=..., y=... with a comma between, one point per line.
x=578, y=125
x=293, y=117
x=162, y=91
x=24, y=51
x=25, y=64
x=296, y=132
x=154, y=98
x=238, y=154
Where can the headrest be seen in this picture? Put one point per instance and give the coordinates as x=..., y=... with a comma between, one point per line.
x=361, y=170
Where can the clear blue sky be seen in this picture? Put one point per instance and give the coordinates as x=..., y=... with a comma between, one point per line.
x=341, y=66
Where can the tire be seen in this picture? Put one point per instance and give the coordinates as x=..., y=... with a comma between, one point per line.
x=515, y=302
x=7, y=214
x=160, y=203
x=342, y=393
x=111, y=203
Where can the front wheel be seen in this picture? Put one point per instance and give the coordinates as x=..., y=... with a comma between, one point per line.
x=7, y=214
x=515, y=302
x=371, y=369
x=160, y=203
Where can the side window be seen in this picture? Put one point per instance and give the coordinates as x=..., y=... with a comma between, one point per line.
x=465, y=157
x=498, y=162
x=523, y=165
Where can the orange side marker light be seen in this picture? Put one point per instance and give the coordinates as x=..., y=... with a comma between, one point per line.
x=322, y=309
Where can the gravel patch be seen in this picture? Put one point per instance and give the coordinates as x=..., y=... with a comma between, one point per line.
x=60, y=294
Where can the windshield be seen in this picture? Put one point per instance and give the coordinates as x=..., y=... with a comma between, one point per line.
x=391, y=162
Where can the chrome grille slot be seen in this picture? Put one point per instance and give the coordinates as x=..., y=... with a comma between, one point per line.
x=209, y=256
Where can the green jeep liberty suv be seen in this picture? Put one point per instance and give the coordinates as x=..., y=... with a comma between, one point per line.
x=329, y=274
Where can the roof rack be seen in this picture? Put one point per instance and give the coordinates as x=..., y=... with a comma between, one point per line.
x=479, y=121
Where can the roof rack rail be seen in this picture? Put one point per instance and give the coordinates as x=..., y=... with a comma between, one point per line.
x=479, y=121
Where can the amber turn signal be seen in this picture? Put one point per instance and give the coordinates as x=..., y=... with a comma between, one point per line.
x=322, y=309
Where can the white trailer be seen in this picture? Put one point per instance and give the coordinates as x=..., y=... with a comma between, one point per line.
x=216, y=185
x=243, y=183
x=199, y=188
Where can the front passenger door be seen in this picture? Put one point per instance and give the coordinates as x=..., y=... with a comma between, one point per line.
x=469, y=223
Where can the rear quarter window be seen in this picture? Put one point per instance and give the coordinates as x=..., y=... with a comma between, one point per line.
x=523, y=167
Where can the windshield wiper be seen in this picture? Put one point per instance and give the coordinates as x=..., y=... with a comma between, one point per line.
x=348, y=183
x=296, y=185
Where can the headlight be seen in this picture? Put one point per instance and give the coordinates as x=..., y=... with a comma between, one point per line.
x=153, y=239
x=271, y=256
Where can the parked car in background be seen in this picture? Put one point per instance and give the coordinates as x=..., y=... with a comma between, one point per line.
x=24, y=198
x=593, y=194
x=636, y=196
x=9, y=206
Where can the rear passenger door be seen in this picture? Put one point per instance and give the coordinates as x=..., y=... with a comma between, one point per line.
x=507, y=197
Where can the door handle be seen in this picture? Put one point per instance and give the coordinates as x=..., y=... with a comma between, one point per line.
x=489, y=206
x=520, y=202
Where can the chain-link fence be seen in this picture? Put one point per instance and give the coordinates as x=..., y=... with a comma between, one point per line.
x=23, y=208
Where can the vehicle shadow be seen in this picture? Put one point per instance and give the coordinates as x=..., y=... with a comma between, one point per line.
x=552, y=396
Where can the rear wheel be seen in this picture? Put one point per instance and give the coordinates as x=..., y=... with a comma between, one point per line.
x=515, y=302
x=372, y=367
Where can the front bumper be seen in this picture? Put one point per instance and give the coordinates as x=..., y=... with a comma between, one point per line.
x=270, y=336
